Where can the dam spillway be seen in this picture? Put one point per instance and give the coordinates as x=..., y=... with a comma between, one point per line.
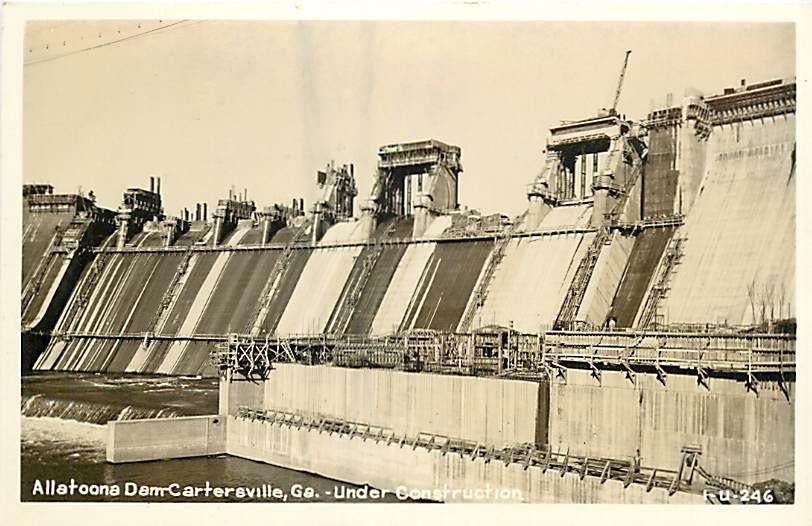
x=647, y=317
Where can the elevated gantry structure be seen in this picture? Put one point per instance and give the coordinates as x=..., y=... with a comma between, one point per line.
x=416, y=178
x=229, y=212
x=597, y=158
x=138, y=206
x=336, y=191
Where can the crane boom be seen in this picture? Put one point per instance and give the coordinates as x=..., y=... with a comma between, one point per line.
x=620, y=80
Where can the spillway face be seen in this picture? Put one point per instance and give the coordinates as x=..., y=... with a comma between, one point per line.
x=317, y=291
x=605, y=280
x=446, y=285
x=531, y=281
x=129, y=293
x=399, y=293
x=642, y=263
x=121, y=299
x=58, y=231
x=737, y=260
x=39, y=230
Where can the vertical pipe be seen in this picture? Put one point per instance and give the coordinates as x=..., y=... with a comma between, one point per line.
x=583, y=176
x=266, y=228
x=158, y=186
x=122, y=234
x=205, y=210
x=151, y=183
x=197, y=211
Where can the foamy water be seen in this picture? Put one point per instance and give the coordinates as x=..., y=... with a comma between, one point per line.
x=55, y=446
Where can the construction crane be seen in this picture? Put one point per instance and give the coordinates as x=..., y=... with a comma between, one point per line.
x=613, y=111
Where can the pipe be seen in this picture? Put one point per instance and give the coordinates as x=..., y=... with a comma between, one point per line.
x=205, y=210
x=158, y=187
x=197, y=211
x=151, y=184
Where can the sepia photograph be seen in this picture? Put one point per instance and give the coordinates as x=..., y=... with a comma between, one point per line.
x=403, y=261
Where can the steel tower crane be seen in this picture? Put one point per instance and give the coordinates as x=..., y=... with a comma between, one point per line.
x=613, y=111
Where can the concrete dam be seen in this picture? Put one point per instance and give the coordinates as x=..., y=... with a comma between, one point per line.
x=629, y=338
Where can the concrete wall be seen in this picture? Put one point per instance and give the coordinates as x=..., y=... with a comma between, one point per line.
x=388, y=467
x=740, y=232
x=742, y=436
x=492, y=411
x=163, y=438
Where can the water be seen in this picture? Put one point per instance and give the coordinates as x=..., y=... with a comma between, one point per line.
x=63, y=438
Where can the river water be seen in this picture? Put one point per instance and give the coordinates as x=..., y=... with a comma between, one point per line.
x=63, y=440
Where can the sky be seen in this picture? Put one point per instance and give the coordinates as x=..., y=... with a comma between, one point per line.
x=264, y=105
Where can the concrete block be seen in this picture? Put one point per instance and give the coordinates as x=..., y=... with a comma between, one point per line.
x=164, y=438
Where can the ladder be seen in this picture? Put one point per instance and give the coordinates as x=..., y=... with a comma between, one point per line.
x=269, y=290
x=171, y=290
x=38, y=277
x=672, y=257
x=481, y=292
x=580, y=281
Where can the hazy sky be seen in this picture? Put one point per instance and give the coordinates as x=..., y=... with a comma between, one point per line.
x=263, y=105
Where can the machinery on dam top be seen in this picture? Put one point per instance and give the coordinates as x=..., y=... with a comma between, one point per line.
x=423, y=174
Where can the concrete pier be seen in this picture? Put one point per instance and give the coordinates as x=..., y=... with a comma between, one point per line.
x=489, y=410
x=743, y=436
x=164, y=438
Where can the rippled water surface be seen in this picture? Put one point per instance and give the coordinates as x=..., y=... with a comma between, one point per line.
x=63, y=438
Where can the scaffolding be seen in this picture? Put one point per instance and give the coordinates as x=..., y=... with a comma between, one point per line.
x=545, y=356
